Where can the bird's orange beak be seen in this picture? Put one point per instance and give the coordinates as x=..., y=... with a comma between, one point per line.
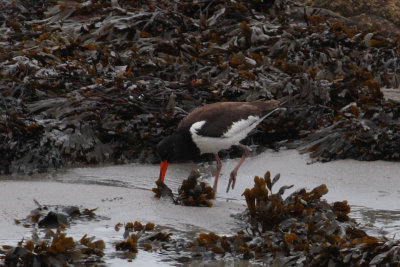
x=163, y=170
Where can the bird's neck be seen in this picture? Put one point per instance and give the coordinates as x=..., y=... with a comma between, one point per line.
x=185, y=148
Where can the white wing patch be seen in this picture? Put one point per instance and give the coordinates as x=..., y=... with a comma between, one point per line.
x=241, y=127
x=238, y=131
x=196, y=127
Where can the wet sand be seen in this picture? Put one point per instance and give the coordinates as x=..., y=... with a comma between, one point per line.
x=123, y=194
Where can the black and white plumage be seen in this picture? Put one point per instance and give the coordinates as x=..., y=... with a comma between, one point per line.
x=212, y=128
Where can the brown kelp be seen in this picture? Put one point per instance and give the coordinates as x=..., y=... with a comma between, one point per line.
x=380, y=15
x=88, y=82
x=50, y=244
x=54, y=216
x=146, y=237
x=299, y=230
x=190, y=193
x=55, y=248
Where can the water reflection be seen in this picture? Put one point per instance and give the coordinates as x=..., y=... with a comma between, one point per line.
x=376, y=221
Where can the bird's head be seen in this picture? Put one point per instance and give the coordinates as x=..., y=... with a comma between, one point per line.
x=165, y=150
x=175, y=148
x=170, y=149
x=166, y=147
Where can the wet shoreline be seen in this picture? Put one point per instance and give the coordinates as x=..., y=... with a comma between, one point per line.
x=123, y=193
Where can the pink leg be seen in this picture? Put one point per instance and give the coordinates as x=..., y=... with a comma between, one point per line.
x=232, y=179
x=219, y=166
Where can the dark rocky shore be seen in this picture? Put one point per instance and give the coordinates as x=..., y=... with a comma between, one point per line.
x=105, y=81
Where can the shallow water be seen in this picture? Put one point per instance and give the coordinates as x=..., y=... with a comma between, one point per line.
x=123, y=194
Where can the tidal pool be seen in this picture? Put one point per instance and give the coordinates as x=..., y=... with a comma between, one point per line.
x=123, y=194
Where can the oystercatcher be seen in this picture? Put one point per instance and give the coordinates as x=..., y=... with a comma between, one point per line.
x=211, y=128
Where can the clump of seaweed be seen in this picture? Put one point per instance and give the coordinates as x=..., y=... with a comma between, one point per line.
x=129, y=244
x=190, y=193
x=142, y=236
x=300, y=230
x=54, y=216
x=54, y=249
x=163, y=191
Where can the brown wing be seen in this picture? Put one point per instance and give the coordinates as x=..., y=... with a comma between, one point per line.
x=220, y=116
x=266, y=106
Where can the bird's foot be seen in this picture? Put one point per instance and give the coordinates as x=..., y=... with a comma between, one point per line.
x=232, y=180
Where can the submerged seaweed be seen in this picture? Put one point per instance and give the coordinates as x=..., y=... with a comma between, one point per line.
x=54, y=216
x=147, y=237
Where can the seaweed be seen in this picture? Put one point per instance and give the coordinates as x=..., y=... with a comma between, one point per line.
x=162, y=190
x=54, y=216
x=299, y=230
x=190, y=193
x=147, y=237
x=110, y=81
x=54, y=248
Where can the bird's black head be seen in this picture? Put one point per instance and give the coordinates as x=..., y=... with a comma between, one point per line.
x=177, y=147
x=166, y=148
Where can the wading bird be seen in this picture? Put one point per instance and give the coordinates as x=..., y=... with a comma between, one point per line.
x=212, y=128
